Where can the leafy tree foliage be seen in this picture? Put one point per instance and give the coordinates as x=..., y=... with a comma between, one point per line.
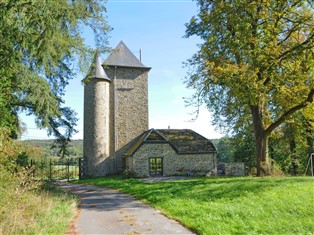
x=40, y=42
x=238, y=148
x=292, y=145
x=44, y=149
x=255, y=65
x=225, y=150
x=243, y=145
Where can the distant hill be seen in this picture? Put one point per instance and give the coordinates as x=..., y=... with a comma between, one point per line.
x=45, y=148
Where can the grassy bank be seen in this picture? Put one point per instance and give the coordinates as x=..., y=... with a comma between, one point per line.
x=229, y=205
x=46, y=210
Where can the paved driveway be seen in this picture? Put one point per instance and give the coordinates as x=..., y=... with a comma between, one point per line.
x=107, y=211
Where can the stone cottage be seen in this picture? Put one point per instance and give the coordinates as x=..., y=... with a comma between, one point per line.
x=116, y=135
x=168, y=152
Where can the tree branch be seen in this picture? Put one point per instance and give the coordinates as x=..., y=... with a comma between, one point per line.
x=308, y=40
x=305, y=103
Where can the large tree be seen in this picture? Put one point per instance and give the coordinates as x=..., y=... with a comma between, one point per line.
x=255, y=65
x=41, y=45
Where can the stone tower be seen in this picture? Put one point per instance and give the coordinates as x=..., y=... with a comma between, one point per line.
x=96, y=147
x=115, y=110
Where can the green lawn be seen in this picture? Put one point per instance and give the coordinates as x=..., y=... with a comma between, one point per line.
x=229, y=205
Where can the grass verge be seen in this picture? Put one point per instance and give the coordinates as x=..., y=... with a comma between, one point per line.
x=47, y=210
x=229, y=205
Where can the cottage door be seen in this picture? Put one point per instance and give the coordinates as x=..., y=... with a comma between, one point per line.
x=155, y=166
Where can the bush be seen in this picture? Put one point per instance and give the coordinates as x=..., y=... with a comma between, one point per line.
x=28, y=206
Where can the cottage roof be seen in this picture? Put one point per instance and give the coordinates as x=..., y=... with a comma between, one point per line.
x=183, y=141
x=121, y=56
x=96, y=70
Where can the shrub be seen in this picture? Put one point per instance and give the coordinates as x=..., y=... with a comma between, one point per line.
x=28, y=206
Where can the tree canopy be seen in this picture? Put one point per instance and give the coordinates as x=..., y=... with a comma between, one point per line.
x=254, y=68
x=41, y=47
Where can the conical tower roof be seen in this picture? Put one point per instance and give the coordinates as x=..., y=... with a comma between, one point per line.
x=121, y=56
x=96, y=70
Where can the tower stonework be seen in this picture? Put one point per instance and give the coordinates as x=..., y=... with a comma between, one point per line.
x=96, y=120
x=115, y=111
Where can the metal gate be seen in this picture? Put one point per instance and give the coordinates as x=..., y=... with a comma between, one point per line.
x=58, y=169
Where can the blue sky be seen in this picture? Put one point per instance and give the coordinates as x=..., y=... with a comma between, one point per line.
x=157, y=28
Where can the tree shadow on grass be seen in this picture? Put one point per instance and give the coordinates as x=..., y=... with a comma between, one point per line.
x=200, y=189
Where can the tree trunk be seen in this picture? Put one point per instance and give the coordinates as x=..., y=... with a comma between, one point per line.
x=261, y=142
x=261, y=152
x=294, y=160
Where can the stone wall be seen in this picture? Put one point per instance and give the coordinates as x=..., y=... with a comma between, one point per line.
x=114, y=114
x=231, y=169
x=96, y=127
x=129, y=107
x=173, y=163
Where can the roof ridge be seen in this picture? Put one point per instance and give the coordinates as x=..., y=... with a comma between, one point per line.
x=123, y=57
x=150, y=131
x=170, y=142
x=162, y=136
x=180, y=141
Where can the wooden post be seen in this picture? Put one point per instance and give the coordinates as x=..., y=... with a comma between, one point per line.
x=68, y=169
x=50, y=169
x=312, y=155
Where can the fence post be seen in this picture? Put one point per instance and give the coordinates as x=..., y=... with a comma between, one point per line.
x=311, y=156
x=68, y=169
x=81, y=168
x=50, y=169
x=33, y=165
